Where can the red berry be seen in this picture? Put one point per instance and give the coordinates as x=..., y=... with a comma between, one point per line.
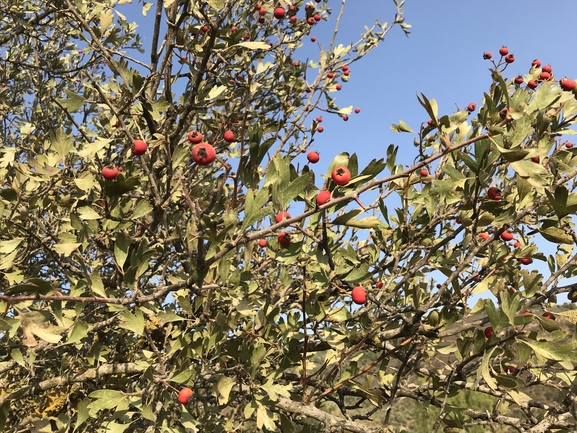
x=489, y=332
x=568, y=145
x=567, y=84
x=262, y=243
x=503, y=50
x=317, y=17
x=205, y=29
x=544, y=75
x=320, y=129
x=279, y=13
x=519, y=79
x=357, y=110
x=330, y=75
x=323, y=197
x=517, y=244
x=229, y=136
x=184, y=395
x=379, y=284
x=138, y=147
x=109, y=173
x=345, y=117
x=424, y=172
x=339, y=87
x=510, y=58
x=458, y=220
x=194, y=137
x=526, y=313
x=430, y=122
x=536, y=63
x=313, y=39
x=547, y=68
x=494, y=193
x=341, y=175
x=487, y=55
x=535, y=159
x=345, y=67
x=507, y=236
x=510, y=369
x=532, y=84
x=233, y=29
x=281, y=216
x=284, y=238
x=359, y=295
x=293, y=19
x=346, y=73
x=261, y=20
x=313, y=156
x=471, y=107
x=548, y=315
x=319, y=119
x=526, y=260
x=485, y=236
x=311, y=21
x=203, y=154
x=262, y=11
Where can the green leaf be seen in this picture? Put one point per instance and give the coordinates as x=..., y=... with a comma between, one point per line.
x=142, y=208
x=429, y=105
x=62, y=143
x=401, y=127
x=77, y=333
x=253, y=45
x=485, y=371
x=364, y=223
x=105, y=399
x=16, y=355
x=183, y=376
x=296, y=188
x=82, y=413
x=121, y=247
x=96, y=285
x=552, y=351
x=556, y=235
x=87, y=213
x=223, y=388
x=562, y=202
x=215, y=92
x=6, y=247
x=73, y=102
x=85, y=183
x=66, y=249
x=345, y=218
x=132, y=322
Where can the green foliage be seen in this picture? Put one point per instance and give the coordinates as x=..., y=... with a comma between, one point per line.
x=116, y=293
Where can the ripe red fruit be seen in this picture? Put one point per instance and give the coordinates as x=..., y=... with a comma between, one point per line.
x=194, y=137
x=284, y=238
x=568, y=145
x=547, y=68
x=341, y=175
x=109, y=173
x=510, y=369
x=229, y=136
x=205, y=29
x=313, y=156
x=262, y=11
x=503, y=50
x=536, y=63
x=138, y=147
x=494, y=193
x=430, y=122
x=346, y=73
x=339, y=87
x=519, y=79
x=510, y=58
x=345, y=67
x=313, y=39
x=517, y=244
x=379, y=284
x=488, y=331
x=279, y=13
x=471, y=107
x=548, y=315
x=293, y=19
x=526, y=313
x=233, y=29
x=544, y=75
x=184, y=395
x=319, y=119
x=203, y=154
x=330, y=75
x=320, y=129
x=311, y=21
x=317, y=17
x=507, y=236
x=262, y=243
x=532, y=84
x=526, y=260
x=567, y=84
x=485, y=236
x=357, y=110
x=535, y=159
x=424, y=172
x=281, y=216
x=261, y=20
x=359, y=295
x=323, y=197
x=345, y=117
x=487, y=55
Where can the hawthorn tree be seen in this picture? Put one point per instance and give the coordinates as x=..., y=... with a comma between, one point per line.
x=148, y=285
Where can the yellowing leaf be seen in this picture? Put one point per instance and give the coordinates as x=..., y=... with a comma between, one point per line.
x=66, y=249
x=6, y=247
